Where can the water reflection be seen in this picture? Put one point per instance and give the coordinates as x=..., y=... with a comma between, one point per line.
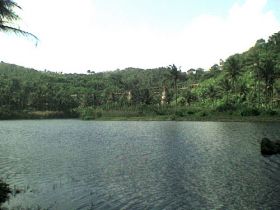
x=70, y=164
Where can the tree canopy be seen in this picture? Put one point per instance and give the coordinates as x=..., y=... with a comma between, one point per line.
x=246, y=81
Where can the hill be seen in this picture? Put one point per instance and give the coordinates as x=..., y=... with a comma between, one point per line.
x=244, y=84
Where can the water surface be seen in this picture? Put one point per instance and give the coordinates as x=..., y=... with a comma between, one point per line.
x=72, y=164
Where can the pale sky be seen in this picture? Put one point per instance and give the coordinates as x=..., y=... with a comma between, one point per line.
x=105, y=35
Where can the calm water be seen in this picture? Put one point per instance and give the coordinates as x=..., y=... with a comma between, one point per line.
x=72, y=164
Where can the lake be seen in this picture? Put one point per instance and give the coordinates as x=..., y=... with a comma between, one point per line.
x=73, y=164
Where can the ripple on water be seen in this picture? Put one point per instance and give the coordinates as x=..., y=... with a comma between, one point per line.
x=71, y=164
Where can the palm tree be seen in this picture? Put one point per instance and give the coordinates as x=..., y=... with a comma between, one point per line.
x=8, y=18
x=243, y=91
x=211, y=93
x=268, y=73
x=225, y=86
x=189, y=96
x=175, y=73
x=232, y=67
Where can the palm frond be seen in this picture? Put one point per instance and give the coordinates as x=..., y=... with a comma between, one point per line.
x=7, y=28
x=6, y=10
x=8, y=16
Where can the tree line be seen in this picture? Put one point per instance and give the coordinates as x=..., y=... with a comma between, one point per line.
x=247, y=80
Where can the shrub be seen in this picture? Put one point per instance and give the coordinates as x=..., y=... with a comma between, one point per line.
x=250, y=112
x=98, y=114
x=163, y=110
x=5, y=113
x=181, y=101
x=190, y=112
x=4, y=191
x=193, y=110
x=225, y=107
x=90, y=113
x=271, y=112
x=173, y=117
x=203, y=114
x=179, y=113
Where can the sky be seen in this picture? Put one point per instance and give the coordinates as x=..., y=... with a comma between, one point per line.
x=100, y=35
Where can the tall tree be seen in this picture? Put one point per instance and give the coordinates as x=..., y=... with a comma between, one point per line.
x=175, y=73
x=225, y=86
x=268, y=73
x=253, y=62
x=265, y=57
x=232, y=67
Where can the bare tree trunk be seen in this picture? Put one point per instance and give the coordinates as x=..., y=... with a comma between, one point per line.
x=176, y=91
x=259, y=93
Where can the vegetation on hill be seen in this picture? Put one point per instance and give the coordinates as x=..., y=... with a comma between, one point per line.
x=244, y=84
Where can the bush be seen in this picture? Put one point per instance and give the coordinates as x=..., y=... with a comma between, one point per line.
x=271, y=112
x=90, y=113
x=181, y=101
x=163, y=110
x=225, y=107
x=180, y=113
x=203, y=114
x=190, y=112
x=6, y=113
x=193, y=110
x=173, y=117
x=4, y=191
x=250, y=112
x=98, y=114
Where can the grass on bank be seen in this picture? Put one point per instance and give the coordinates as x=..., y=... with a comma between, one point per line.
x=159, y=113
x=152, y=112
x=6, y=114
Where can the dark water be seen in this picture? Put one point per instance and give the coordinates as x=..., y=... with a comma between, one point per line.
x=71, y=164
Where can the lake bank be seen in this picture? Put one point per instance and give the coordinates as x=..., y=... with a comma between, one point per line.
x=107, y=116
x=206, y=119
x=35, y=115
x=170, y=113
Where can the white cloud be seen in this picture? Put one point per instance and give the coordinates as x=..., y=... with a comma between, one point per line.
x=76, y=37
x=210, y=38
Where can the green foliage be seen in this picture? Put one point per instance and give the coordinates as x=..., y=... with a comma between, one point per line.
x=241, y=85
x=270, y=112
x=233, y=68
x=5, y=113
x=225, y=106
x=90, y=113
x=250, y=112
x=4, y=192
x=181, y=101
x=202, y=113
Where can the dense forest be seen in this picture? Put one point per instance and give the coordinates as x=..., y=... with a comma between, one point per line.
x=244, y=84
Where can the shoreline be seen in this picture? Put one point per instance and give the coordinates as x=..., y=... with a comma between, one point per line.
x=223, y=118
x=184, y=119
x=134, y=116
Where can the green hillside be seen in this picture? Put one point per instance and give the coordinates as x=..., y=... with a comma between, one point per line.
x=244, y=84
